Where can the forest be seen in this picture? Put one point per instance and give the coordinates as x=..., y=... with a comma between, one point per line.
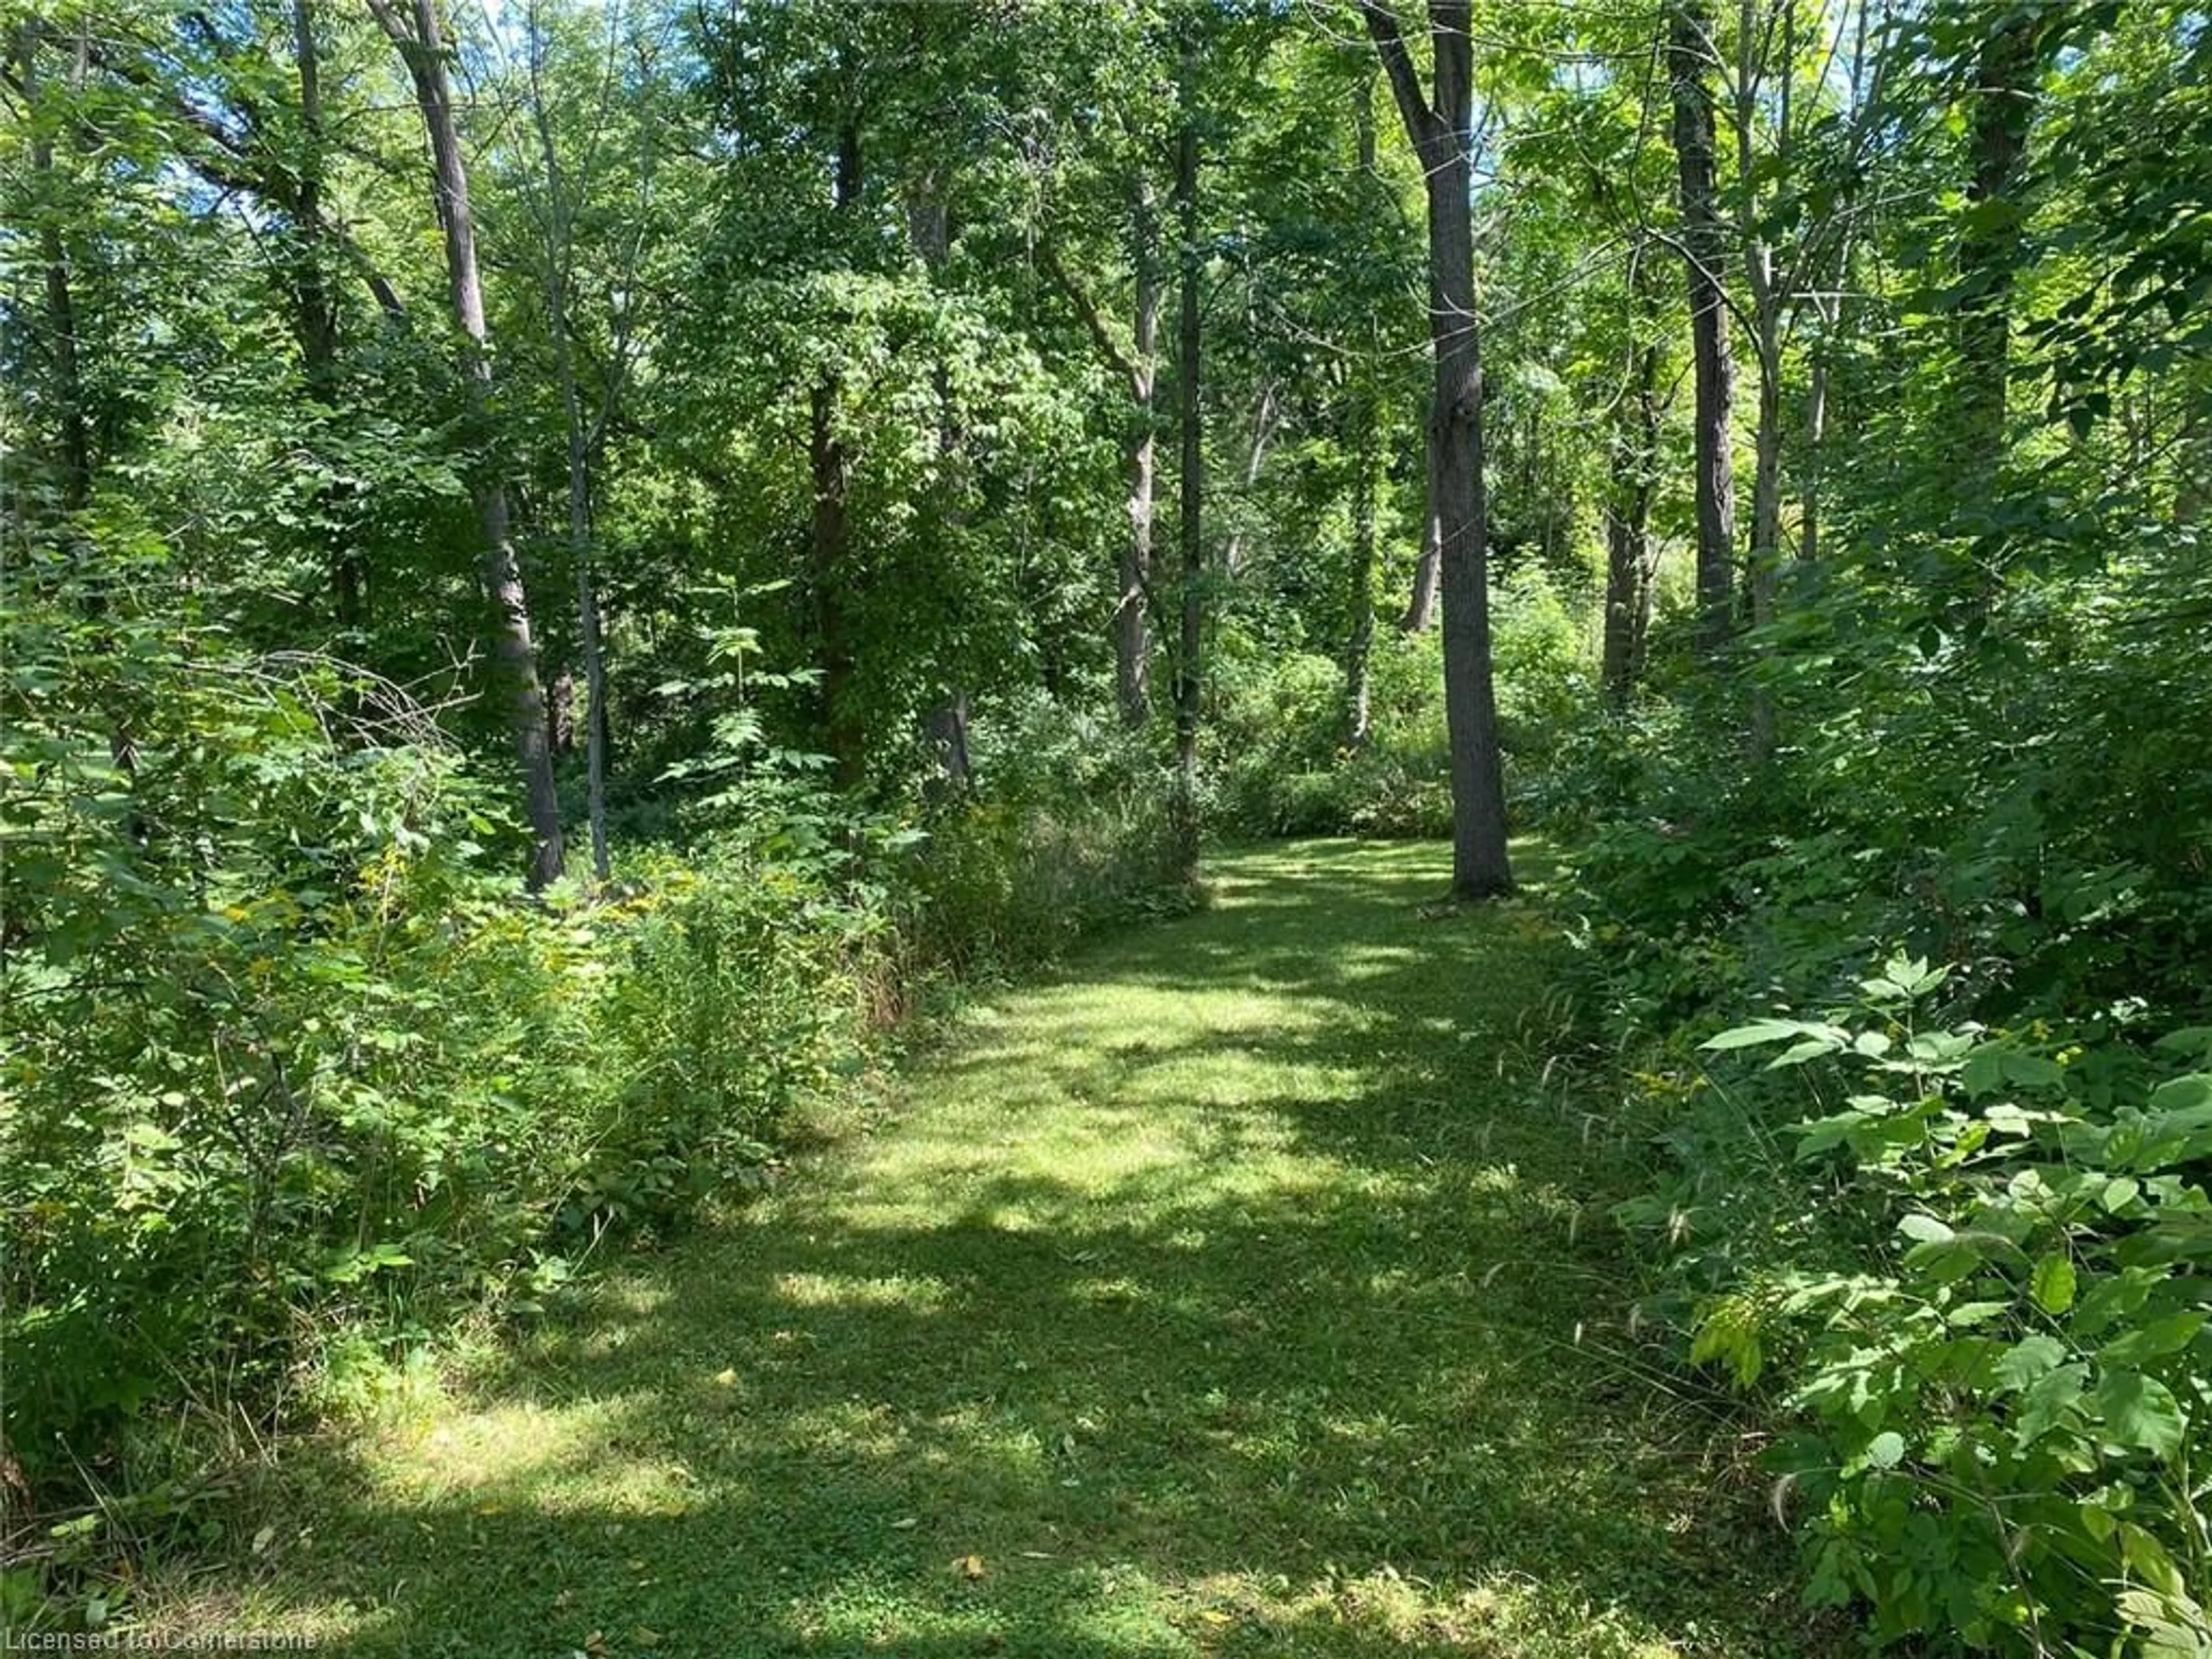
x=1336, y=827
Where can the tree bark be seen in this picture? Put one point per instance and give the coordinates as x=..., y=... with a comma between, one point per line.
x=1191, y=479
x=1989, y=252
x=830, y=550
x=314, y=304
x=421, y=43
x=1631, y=485
x=1442, y=138
x=74, y=425
x=1690, y=59
x=1420, y=614
x=1266, y=420
x=1359, y=641
x=1133, y=646
x=1768, y=287
x=929, y=230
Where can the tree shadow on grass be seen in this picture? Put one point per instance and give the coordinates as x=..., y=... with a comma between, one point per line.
x=1219, y=1298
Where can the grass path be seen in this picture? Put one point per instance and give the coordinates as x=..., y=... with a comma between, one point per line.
x=1218, y=1298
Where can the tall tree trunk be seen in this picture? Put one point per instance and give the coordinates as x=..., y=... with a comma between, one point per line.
x=1690, y=59
x=1769, y=290
x=1632, y=483
x=74, y=426
x=315, y=306
x=1139, y=366
x=1191, y=480
x=829, y=551
x=1441, y=136
x=1132, y=633
x=1989, y=250
x=1359, y=641
x=929, y=229
x=421, y=42
x=580, y=554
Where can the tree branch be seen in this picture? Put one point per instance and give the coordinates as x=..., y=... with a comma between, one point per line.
x=1421, y=121
x=1123, y=363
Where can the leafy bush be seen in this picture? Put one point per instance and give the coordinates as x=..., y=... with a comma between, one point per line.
x=2009, y=1409
x=285, y=1061
x=1281, y=762
x=1064, y=831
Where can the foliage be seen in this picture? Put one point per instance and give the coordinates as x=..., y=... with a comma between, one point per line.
x=286, y=1060
x=2012, y=1418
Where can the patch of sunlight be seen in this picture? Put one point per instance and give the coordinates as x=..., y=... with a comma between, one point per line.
x=1504, y=1619
x=200, y=1618
x=1109, y=1292
x=637, y=1297
x=518, y=1452
x=922, y=1294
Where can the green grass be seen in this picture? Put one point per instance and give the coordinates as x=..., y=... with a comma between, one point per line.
x=1243, y=1291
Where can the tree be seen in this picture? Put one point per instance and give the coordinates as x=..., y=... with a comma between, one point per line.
x=1440, y=129
x=1692, y=57
x=1137, y=365
x=1190, y=530
x=420, y=38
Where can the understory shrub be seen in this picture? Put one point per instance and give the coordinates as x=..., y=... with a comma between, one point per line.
x=1063, y=829
x=1280, y=757
x=1957, y=1240
x=2006, y=1389
x=286, y=1062
x=292, y=1079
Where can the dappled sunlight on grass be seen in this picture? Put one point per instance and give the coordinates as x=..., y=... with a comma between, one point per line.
x=1214, y=1298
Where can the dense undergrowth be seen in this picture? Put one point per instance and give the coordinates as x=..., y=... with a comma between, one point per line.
x=300, y=1078
x=1913, y=1009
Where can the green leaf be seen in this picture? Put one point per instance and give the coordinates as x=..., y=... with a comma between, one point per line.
x=1761, y=1031
x=2141, y=1411
x=2028, y=1361
x=1886, y=1451
x=2052, y=1285
x=2048, y=1403
x=1926, y=1229
x=2153, y=1341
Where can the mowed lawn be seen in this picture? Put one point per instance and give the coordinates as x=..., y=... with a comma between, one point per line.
x=1243, y=1290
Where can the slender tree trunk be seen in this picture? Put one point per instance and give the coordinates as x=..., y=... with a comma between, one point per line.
x=929, y=229
x=1360, y=642
x=829, y=553
x=1420, y=614
x=421, y=43
x=1634, y=461
x=1768, y=287
x=1690, y=59
x=1266, y=420
x=1989, y=252
x=1191, y=480
x=559, y=246
x=73, y=425
x=1442, y=137
x=1132, y=633
x=1766, y=558
x=315, y=306
x=1816, y=437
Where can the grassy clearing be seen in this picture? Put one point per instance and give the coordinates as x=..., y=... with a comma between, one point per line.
x=1224, y=1296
